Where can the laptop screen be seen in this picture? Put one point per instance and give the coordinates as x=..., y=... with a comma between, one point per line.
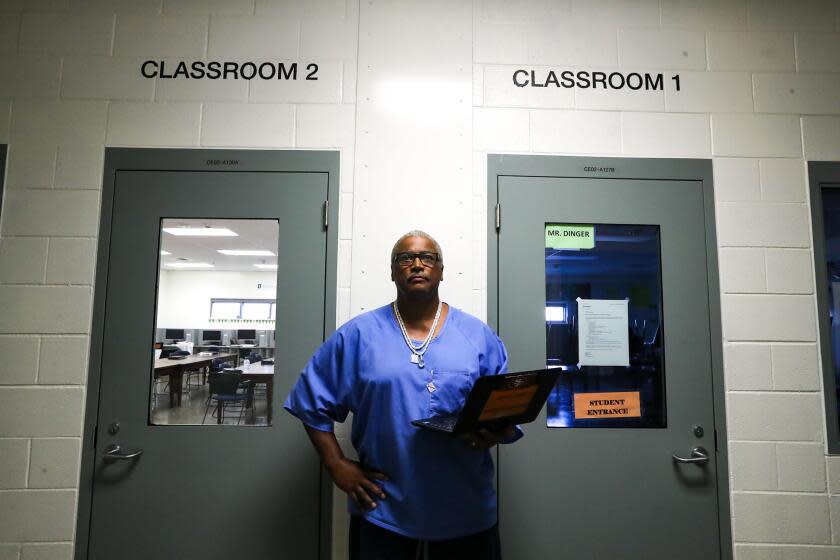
x=508, y=402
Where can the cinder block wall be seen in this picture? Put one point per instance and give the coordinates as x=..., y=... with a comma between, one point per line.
x=70, y=84
x=414, y=95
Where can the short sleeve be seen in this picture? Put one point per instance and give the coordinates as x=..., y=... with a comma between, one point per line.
x=494, y=359
x=321, y=394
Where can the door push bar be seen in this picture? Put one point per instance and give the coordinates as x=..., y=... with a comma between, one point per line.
x=699, y=456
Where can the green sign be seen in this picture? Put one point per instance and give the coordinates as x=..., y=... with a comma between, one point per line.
x=564, y=236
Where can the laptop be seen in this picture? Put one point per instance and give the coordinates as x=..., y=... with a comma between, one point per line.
x=497, y=401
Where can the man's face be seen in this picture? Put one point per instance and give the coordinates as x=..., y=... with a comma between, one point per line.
x=416, y=278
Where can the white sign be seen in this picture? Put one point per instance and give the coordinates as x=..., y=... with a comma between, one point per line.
x=603, y=338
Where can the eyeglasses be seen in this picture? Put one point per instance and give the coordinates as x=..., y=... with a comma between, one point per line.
x=426, y=259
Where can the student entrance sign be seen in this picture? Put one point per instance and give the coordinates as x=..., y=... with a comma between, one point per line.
x=607, y=405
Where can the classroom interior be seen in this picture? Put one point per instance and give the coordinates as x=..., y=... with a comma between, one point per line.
x=214, y=336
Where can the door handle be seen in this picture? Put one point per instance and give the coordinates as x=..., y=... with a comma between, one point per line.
x=699, y=456
x=112, y=454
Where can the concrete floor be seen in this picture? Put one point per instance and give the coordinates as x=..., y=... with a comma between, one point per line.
x=194, y=403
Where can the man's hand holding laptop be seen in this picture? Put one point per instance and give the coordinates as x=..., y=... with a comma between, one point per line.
x=484, y=438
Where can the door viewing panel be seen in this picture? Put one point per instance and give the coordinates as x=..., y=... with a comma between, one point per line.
x=824, y=179
x=604, y=325
x=214, y=322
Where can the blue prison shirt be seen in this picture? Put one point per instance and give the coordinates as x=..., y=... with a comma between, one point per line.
x=438, y=487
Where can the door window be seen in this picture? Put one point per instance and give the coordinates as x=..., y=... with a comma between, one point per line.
x=604, y=325
x=214, y=327
x=830, y=196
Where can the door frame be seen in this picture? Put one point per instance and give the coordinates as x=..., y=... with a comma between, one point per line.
x=819, y=173
x=188, y=159
x=577, y=167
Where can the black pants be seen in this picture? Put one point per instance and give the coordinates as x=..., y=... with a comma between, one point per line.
x=372, y=542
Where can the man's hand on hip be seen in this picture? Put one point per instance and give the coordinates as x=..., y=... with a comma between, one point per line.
x=357, y=482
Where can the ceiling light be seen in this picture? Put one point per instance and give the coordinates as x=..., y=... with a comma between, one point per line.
x=188, y=265
x=200, y=232
x=267, y=266
x=246, y=252
x=165, y=253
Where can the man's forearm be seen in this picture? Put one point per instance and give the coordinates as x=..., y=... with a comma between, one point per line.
x=326, y=445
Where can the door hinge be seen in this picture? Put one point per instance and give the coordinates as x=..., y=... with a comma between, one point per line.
x=326, y=214
x=498, y=216
x=716, y=443
x=95, y=435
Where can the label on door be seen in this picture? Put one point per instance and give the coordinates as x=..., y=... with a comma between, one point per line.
x=603, y=338
x=567, y=236
x=591, y=406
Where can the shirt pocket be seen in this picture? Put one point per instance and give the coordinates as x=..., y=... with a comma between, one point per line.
x=451, y=388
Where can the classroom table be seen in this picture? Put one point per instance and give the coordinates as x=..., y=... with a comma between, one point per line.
x=261, y=374
x=175, y=369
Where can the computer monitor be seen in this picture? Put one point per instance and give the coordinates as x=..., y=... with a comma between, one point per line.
x=246, y=334
x=174, y=334
x=211, y=336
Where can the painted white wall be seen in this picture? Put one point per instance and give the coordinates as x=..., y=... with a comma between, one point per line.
x=184, y=295
x=415, y=94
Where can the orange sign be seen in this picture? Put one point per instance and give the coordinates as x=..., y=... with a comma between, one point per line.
x=507, y=402
x=592, y=406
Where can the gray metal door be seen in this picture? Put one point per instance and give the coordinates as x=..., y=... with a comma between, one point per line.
x=610, y=490
x=206, y=491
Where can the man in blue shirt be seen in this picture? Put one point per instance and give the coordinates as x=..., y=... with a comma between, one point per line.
x=412, y=491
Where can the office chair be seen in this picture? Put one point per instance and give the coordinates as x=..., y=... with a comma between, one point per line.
x=218, y=364
x=226, y=389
